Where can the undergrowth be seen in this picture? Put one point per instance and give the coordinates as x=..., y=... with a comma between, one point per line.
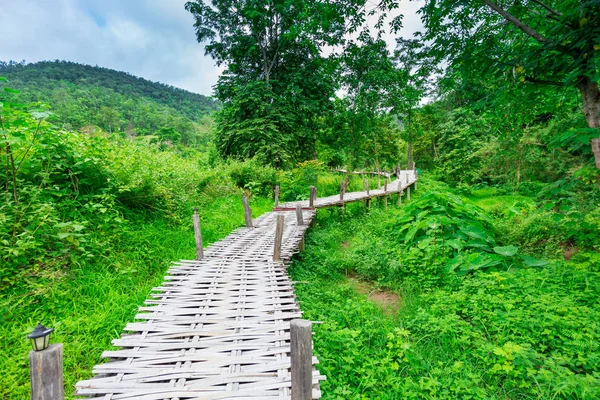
x=522, y=328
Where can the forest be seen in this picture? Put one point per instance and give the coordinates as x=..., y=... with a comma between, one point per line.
x=485, y=285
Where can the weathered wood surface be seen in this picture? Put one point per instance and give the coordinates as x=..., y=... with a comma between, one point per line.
x=46, y=370
x=406, y=179
x=219, y=327
x=301, y=355
x=343, y=171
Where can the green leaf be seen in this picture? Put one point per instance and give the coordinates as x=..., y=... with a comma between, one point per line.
x=533, y=262
x=3, y=79
x=9, y=90
x=475, y=232
x=507, y=251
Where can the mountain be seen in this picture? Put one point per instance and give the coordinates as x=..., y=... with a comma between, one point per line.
x=81, y=96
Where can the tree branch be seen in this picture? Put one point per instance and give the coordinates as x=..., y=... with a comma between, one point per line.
x=516, y=22
x=543, y=81
x=548, y=8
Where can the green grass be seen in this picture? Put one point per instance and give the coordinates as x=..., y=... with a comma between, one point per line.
x=491, y=200
x=521, y=333
x=516, y=334
x=89, y=305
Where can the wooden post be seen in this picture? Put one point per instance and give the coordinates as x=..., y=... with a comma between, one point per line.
x=299, y=218
x=385, y=185
x=198, y=235
x=408, y=193
x=399, y=194
x=313, y=197
x=407, y=177
x=247, y=211
x=276, y=196
x=301, y=245
x=46, y=370
x=278, y=238
x=342, y=190
x=366, y=185
x=301, y=357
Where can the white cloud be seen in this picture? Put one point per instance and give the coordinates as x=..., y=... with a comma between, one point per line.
x=154, y=39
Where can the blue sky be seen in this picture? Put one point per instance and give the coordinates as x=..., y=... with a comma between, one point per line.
x=153, y=39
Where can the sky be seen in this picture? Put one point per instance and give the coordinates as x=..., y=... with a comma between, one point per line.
x=153, y=39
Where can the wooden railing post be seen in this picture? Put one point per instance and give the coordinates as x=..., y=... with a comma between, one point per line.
x=198, y=235
x=366, y=186
x=276, y=196
x=313, y=197
x=416, y=179
x=247, y=211
x=46, y=371
x=299, y=218
x=301, y=358
x=278, y=238
x=385, y=183
x=408, y=193
x=399, y=193
x=342, y=190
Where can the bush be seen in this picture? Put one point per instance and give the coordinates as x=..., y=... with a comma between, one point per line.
x=252, y=176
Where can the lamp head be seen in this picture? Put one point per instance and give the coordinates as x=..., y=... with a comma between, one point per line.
x=40, y=337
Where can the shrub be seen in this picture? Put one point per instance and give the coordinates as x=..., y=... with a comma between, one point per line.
x=251, y=175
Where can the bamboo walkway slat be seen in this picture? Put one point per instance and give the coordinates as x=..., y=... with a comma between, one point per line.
x=218, y=328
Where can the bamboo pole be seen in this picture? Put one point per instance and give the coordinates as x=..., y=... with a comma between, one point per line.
x=278, y=238
x=299, y=218
x=247, y=211
x=198, y=235
x=313, y=197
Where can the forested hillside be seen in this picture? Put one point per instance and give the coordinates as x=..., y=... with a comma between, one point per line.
x=485, y=284
x=83, y=96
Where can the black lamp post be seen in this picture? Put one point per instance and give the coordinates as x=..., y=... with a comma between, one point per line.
x=40, y=337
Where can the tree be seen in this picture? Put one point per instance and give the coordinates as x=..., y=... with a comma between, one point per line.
x=549, y=42
x=274, y=72
x=272, y=53
x=370, y=79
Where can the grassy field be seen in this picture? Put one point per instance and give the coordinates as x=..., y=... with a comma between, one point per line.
x=505, y=333
x=396, y=323
x=88, y=306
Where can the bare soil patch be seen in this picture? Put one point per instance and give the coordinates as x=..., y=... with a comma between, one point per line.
x=388, y=301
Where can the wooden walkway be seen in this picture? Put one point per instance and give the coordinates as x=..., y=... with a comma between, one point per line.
x=218, y=328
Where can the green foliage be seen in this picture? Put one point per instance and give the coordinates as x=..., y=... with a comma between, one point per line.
x=253, y=176
x=517, y=333
x=83, y=96
x=88, y=225
x=257, y=124
x=295, y=184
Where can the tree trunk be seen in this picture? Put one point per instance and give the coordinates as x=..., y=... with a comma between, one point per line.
x=590, y=94
x=410, y=153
